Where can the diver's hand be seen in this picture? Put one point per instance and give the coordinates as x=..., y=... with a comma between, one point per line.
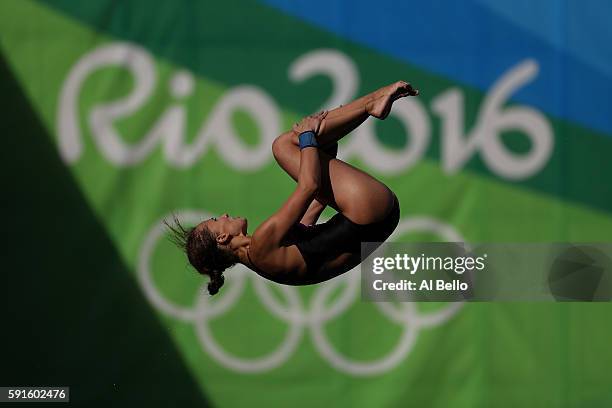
x=310, y=123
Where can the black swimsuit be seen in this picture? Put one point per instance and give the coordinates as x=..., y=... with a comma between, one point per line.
x=324, y=242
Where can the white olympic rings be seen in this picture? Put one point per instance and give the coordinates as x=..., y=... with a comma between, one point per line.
x=294, y=313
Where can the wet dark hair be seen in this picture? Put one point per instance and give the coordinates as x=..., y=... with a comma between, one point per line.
x=203, y=252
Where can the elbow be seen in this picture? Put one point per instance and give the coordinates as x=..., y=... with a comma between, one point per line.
x=310, y=186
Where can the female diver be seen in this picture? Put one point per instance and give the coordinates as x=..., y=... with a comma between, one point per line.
x=288, y=247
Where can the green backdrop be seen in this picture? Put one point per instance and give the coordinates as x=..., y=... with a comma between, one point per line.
x=117, y=114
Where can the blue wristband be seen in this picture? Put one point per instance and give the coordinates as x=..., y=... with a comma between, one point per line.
x=307, y=139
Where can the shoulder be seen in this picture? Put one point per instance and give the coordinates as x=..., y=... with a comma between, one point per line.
x=282, y=264
x=260, y=241
x=269, y=234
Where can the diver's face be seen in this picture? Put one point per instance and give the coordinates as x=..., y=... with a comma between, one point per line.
x=225, y=224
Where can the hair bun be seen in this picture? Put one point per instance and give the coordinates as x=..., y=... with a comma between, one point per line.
x=216, y=281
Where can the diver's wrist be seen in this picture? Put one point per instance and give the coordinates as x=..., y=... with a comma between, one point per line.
x=308, y=139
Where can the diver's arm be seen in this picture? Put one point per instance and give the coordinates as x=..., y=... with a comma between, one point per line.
x=309, y=177
x=308, y=183
x=312, y=213
x=292, y=211
x=316, y=207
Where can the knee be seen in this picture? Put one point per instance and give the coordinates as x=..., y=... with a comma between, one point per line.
x=277, y=147
x=281, y=144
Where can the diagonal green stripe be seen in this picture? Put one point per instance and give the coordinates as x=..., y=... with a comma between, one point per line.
x=239, y=41
x=75, y=316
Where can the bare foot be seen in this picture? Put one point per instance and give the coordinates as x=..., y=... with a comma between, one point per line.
x=380, y=106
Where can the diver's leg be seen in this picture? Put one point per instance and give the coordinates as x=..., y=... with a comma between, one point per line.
x=359, y=196
x=341, y=121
